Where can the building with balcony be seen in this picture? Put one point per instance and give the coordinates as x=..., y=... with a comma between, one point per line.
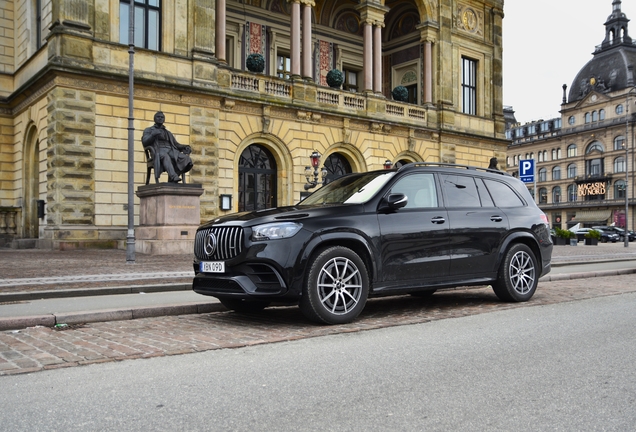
x=64, y=100
x=585, y=158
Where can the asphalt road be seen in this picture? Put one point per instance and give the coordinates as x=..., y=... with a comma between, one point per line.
x=566, y=366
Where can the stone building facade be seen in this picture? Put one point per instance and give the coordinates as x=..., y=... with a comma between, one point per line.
x=64, y=94
x=585, y=158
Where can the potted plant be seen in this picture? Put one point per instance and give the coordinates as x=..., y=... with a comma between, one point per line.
x=563, y=236
x=255, y=62
x=592, y=237
x=400, y=93
x=335, y=78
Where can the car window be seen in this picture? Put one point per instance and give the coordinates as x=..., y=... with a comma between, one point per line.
x=420, y=190
x=460, y=191
x=503, y=195
x=484, y=195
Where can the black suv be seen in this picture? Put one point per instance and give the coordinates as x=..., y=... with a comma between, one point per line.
x=616, y=230
x=410, y=230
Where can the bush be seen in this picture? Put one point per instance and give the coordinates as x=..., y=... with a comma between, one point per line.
x=400, y=93
x=566, y=234
x=255, y=62
x=593, y=234
x=335, y=78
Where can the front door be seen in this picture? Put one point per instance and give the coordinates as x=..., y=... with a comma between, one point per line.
x=257, y=179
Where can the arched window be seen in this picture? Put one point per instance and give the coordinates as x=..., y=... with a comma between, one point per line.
x=540, y=156
x=594, y=146
x=556, y=194
x=545, y=155
x=572, y=196
x=594, y=116
x=257, y=179
x=619, y=109
x=559, y=153
x=556, y=173
x=572, y=150
x=587, y=117
x=571, y=170
x=619, y=189
x=619, y=164
x=619, y=143
x=336, y=166
x=601, y=114
x=543, y=175
x=554, y=154
x=543, y=196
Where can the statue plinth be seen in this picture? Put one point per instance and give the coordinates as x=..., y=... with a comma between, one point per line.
x=169, y=216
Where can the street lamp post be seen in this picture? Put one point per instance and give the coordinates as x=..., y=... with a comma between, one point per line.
x=626, y=236
x=130, y=237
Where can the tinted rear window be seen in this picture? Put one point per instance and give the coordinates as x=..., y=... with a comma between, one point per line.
x=503, y=195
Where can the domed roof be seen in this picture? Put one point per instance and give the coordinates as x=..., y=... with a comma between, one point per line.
x=607, y=71
x=613, y=63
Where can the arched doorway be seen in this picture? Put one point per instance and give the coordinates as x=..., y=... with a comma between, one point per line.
x=30, y=222
x=336, y=165
x=257, y=179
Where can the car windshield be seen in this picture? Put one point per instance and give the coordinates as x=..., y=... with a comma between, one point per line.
x=350, y=189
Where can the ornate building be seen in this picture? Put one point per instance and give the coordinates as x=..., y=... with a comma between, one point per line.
x=64, y=88
x=585, y=158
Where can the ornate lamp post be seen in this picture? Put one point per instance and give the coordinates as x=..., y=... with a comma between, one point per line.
x=312, y=171
x=130, y=237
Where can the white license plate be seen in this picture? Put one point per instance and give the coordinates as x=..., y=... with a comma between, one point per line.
x=212, y=266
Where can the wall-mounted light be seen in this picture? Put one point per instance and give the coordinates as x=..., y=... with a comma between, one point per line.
x=313, y=171
x=226, y=201
x=388, y=164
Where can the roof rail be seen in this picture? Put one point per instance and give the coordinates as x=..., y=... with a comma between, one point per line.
x=450, y=165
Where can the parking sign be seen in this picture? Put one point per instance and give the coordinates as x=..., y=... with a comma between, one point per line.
x=526, y=170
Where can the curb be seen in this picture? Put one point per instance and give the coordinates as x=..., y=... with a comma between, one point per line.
x=51, y=320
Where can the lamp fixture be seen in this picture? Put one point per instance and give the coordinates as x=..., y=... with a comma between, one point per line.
x=388, y=164
x=312, y=171
x=225, y=201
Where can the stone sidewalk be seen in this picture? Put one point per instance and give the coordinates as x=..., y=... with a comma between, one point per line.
x=37, y=270
x=44, y=348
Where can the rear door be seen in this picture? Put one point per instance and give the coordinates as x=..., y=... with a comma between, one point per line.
x=476, y=229
x=414, y=239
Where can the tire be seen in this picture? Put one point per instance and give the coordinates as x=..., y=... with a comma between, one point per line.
x=244, y=306
x=336, y=288
x=518, y=275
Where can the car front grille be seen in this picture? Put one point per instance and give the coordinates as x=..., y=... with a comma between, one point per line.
x=227, y=241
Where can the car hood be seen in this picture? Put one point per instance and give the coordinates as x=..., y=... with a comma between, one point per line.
x=282, y=214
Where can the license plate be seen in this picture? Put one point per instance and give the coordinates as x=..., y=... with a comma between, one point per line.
x=212, y=266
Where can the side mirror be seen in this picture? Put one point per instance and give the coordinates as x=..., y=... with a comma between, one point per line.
x=394, y=202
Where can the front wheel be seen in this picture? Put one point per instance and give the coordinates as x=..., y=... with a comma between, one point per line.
x=518, y=275
x=336, y=288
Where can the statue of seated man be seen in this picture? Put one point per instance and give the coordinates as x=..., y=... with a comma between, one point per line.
x=170, y=156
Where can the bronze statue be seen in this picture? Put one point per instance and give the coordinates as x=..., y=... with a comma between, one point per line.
x=493, y=164
x=169, y=155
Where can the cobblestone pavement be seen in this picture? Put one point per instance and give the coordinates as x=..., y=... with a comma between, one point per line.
x=35, y=269
x=43, y=348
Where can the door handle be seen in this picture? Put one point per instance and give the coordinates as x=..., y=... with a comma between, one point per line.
x=496, y=218
x=438, y=220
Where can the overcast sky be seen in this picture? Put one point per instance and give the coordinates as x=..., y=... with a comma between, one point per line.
x=546, y=43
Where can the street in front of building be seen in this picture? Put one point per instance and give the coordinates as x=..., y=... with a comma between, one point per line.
x=467, y=362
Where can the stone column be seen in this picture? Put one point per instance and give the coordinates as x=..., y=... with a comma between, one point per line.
x=367, y=59
x=428, y=72
x=73, y=15
x=370, y=14
x=307, y=64
x=220, y=23
x=377, y=57
x=295, y=38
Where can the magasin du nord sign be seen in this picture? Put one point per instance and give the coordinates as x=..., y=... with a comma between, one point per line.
x=591, y=189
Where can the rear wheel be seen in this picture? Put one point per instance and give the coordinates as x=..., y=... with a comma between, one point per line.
x=518, y=275
x=244, y=306
x=336, y=288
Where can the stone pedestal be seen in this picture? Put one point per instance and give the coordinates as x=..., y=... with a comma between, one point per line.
x=169, y=216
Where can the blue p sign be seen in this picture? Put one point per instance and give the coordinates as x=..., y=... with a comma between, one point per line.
x=526, y=170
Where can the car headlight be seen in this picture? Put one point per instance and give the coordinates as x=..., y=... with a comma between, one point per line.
x=275, y=231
